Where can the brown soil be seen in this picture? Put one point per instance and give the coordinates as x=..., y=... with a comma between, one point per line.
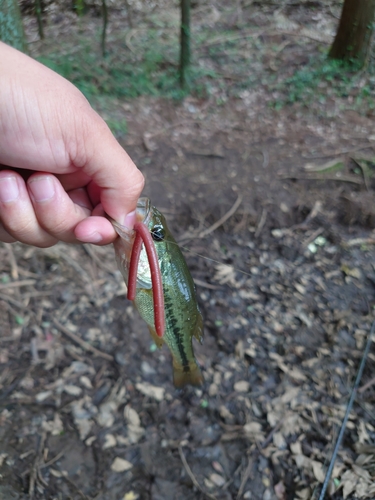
x=287, y=296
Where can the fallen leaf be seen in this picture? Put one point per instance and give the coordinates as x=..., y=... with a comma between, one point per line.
x=242, y=386
x=131, y=416
x=151, y=390
x=121, y=465
x=279, y=489
x=217, y=480
x=318, y=471
x=3, y=456
x=72, y=390
x=110, y=441
x=130, y=496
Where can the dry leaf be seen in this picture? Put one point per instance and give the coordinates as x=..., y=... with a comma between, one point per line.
x=318, y=471
x=130, y=496
x=151, y=390
x=131, y=416
x=279, y=489
x=225, y=274
x=110, y=441
x=217, y=480
x=242, y=386
x=121, y=465
x=72, y=390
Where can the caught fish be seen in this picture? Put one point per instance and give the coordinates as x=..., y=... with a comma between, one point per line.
x=183, y=319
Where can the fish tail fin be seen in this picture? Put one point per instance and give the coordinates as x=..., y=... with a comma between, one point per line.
x=190, y=375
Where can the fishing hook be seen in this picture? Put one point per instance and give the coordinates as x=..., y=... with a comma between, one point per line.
x=143, y=236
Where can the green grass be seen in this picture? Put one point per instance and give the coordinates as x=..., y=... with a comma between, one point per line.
x=322, y=78
x=147, y=64
x=152, y=69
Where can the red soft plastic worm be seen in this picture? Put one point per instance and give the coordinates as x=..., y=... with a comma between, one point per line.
x=143, y=235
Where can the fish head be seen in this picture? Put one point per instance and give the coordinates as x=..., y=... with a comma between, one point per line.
x=155, y=221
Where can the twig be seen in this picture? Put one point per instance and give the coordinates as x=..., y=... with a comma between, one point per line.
x=262, y=222
x=191, y=475
x=98, y=260
x=129, y=14
x=245, y=476
x=312, y=237
x=359, y=241
x=250, y=463
x=85, y=345
x=72, y=483
x=363, y=172
x=281, y=47
x=12, y=260
x=338, y=153
x=8, y=300
x=204, y=284
x=367, y=385
x=266, y=158
x=53, y=460
x=344, y=178
x=16, y=284
x=35, y=467
x=223, y=219
x=347, y=413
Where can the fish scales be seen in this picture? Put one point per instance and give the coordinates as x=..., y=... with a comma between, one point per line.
x=183, y=319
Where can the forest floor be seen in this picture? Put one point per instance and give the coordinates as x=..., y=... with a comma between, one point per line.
x=285, y=282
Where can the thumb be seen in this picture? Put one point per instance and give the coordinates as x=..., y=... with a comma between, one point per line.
x=119, y=181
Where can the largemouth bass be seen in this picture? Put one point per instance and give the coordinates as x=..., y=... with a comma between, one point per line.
x=183, y=319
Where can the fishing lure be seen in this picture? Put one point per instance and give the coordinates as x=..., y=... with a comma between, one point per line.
x=163, y=292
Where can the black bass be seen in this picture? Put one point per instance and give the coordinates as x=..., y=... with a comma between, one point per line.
x=183, y=319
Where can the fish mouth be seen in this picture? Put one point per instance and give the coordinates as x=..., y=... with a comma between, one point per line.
x=143, y=213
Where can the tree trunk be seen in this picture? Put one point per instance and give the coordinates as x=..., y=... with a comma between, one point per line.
x=11, y=27
x=185, y=41
x=104, y=29
x=353, y=37
x=39, y=18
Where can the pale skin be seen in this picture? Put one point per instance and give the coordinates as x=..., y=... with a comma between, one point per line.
x=61, y=169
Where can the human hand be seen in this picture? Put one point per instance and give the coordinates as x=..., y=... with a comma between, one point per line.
x=60, y=166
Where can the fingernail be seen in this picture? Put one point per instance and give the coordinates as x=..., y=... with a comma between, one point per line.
x=42, y=188
x=129, y=220
x=8, y=189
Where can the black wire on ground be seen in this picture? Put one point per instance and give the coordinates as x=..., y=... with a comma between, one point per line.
x=348, y=410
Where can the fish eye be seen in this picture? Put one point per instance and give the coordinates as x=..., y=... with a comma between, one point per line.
x=158, y=233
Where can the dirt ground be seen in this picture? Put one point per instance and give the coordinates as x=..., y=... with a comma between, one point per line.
x=286, y=286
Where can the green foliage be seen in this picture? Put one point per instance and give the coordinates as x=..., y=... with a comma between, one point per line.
x=79, y=6
x=152, y=73
x=11, y=27
x=322, y=78
x=118, y=127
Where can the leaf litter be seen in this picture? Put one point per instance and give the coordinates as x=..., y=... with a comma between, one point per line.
x=282, y=342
